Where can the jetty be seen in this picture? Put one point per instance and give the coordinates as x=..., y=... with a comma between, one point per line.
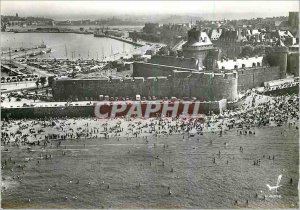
x=122, y=39
x=24, y=53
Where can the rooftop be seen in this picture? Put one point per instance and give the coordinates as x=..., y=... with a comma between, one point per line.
x=204, y=40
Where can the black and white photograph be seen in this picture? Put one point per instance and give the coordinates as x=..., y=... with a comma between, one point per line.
x=149, y=104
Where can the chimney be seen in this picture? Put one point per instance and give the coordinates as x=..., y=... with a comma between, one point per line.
x=247, y=57
x=234, y=58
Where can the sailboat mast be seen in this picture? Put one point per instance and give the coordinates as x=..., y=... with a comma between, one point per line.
x=102, y=54
x=66, y=51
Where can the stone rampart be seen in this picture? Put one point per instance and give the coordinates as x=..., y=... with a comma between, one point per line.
x=207, y=86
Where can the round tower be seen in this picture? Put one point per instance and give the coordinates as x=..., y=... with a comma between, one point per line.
x=281, y=53
x=197, y=46
x=277, y=56
x=194, y=35
x=211, y=59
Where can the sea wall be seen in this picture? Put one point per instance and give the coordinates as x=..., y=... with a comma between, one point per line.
x=42, y=112
x=89, y=111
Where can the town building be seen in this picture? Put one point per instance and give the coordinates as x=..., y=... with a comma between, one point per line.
x=231, y=42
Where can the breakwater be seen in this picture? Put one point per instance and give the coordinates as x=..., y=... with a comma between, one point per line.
x=124, y=40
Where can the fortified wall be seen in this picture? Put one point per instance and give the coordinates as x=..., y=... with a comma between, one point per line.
x=293, y=64
x=247, y=77
x=141, y=69
x=255, y=77
x=190, y=63
x=205, y=86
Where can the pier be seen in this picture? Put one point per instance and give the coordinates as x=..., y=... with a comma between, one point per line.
x=10, y=70
x=125, y=40
x=24, y=53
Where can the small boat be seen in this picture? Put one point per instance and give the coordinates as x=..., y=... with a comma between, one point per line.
x=42, y=45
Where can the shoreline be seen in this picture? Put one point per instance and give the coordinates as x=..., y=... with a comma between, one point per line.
x=85, y=33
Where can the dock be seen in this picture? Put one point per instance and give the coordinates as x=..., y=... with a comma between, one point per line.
x=25, y=53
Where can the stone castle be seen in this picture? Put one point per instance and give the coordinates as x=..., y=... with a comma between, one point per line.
x=201, y=73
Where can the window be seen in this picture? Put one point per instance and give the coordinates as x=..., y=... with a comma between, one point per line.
x=235, y=66
x=258, y=63
x=243, y=65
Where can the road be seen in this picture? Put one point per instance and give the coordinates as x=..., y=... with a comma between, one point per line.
x=16, y=86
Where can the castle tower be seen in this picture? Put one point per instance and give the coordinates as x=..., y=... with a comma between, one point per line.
x=211, y=59
x=280, y=53
x=277, y=56
x=194, y=36
x=197, y=46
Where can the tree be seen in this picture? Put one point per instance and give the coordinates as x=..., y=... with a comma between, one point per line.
x=247, y=51
x=259, y=50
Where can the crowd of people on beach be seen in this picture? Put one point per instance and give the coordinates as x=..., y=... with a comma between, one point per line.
x=257, y=111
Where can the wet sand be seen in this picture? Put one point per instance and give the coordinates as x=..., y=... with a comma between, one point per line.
x=137, y=178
